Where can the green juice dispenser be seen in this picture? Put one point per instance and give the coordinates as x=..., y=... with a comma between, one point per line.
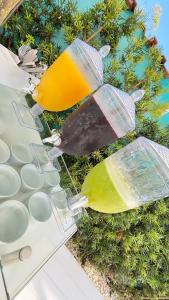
x=133, y=176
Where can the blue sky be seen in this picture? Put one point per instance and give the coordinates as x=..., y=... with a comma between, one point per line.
x=162, y=33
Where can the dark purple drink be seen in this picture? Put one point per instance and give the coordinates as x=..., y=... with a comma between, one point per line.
x=86, y=130
x=107, y=115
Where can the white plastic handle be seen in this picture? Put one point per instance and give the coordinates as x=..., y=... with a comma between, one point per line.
x=104, y=51
x=16, y=256
x=54, y=139
x=138, y=95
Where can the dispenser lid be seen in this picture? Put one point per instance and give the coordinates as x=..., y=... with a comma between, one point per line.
x=138, y=95
x=162, y=151
x=129, y=101
x=118, y=108
x=95, y=57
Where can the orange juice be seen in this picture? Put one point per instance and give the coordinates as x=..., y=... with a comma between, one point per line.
x=62, y=85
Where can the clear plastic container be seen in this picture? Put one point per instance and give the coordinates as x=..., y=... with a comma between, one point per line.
x=107, y=115
x=133, y=176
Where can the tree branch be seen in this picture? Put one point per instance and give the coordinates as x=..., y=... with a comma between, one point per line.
x=94, y=34
x=137, y=85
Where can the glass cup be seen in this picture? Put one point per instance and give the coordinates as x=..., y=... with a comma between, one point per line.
x=14, y=220
x=52, y=179
x=59, y=198
x=31, y=178
x=40, y=207
x=4, y=152
x=20, y=154
x=10, y=182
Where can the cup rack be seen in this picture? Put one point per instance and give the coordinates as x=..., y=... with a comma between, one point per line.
x=43, y=239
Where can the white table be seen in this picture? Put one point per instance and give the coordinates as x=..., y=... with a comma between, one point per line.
x=62, y=278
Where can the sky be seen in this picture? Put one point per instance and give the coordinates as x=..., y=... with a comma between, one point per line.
x=162, y=33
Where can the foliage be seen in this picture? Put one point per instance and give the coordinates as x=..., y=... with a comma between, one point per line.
x=35, y=23
x=160, y=109
x=132, y=247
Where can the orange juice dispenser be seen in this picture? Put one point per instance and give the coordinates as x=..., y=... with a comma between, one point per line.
x=75, y=74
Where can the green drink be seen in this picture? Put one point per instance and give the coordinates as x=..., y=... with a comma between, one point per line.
x=99, y=189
